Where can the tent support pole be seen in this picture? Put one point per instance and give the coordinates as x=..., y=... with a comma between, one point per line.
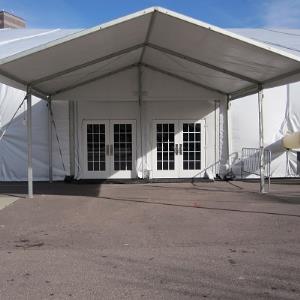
x=29, y=143
x=140, y=95
x=72, y=138
x=50, y=146
x=261, y=139
x=228, y=128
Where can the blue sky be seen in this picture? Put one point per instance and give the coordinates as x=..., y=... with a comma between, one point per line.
x=223, y=13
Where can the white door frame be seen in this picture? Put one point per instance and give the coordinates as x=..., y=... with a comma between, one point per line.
x=109, y=151
x=95, y=174
x=178, y=171
x=123, y=173
x=163, y=173
x=192, y=173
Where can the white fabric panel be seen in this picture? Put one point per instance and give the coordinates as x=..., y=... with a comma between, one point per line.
x=283, y=39
x=60, y=111
x=218, y=49
x=241, y=122
x=294, y=109
x=80, y=49
x=14, y=41
x=192, y=71
x=118, y=87
x=89, y=73
x=281, y=116
x=158, y=86
x=13, y=146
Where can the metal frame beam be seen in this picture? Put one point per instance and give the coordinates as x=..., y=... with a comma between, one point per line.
x=253, y=89
x=74, y=86
x=202, y=63
x=250, y=90
x=84, y=65
x=280, y=77
x=29, y=143
x=149, y=31
x=182, y=78
x=34, y=91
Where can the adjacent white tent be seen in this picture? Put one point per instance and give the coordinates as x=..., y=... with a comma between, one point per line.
x=222, y=64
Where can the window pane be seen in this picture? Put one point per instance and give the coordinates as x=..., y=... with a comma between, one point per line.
x=95, y=147
x=123, y=149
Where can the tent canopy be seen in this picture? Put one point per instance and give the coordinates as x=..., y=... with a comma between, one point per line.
x=158, y=39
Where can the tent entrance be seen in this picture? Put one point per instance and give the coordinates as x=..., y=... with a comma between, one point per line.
x=178, y=148
x=109, y=149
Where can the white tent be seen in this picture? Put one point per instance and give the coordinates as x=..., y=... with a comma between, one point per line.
x=155, y=42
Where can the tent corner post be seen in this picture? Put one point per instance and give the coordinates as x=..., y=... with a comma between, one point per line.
x=261, y=139
x=29, y=142
x=228, y=128
x=50, y=144
x=140, y=99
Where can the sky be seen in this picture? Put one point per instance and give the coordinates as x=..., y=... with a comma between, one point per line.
x=222, y=13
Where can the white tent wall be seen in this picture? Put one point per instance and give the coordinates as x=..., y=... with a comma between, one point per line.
x=13, y=145
x=168, y=98
x=281, y=116
x=60, y=151
x=163, y=97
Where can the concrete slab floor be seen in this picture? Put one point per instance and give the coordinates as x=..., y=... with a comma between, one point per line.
x=6, y=201
x=151, y=241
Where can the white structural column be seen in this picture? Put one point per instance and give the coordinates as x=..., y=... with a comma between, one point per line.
x=29, y=143
x=229, y=132
x=140, y=93
x=261, y=139
x=50, y=147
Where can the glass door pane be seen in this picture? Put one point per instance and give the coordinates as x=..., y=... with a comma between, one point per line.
x=122, y=145
x=165, y=155
x=96, y=159
x=191, y=146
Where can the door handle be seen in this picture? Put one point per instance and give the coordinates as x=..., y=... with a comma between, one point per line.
x=107, y=150
x=176, y=149
x=180, y=149
x=111, y=150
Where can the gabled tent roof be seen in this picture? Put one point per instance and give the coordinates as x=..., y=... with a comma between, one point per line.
x=158, y=39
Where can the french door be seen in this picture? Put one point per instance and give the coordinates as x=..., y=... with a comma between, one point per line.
x=178, y=148
x=109, y=149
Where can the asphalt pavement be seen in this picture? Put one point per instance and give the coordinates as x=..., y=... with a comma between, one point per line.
x=150, y=241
